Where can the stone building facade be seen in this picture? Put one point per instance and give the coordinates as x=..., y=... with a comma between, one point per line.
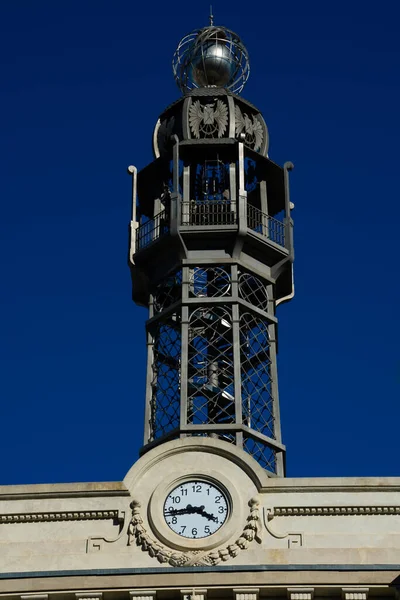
x=294, y=538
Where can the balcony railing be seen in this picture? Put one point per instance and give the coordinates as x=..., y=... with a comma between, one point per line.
x=265, y=225
x=151, y=230
x=209, y=213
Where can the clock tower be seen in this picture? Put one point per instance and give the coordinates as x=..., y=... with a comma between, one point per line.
x=211, y=253
x=206, y=512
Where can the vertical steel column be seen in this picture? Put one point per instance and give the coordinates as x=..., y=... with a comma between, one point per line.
x=275, y=398
x=242, y=200
x=236, y=354
x=184, y=348
x=186, y=196
x=148, y=411
x=133, y=224
x=264, y=208
x=288, y=166
x=232, y=189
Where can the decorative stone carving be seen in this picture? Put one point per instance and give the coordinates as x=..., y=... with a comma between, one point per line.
x=299, y=593
x=321, y=511
x=355, y=593
x=137, y=532
x=269, y=514
x=95, y=544
x=296, y=538
x=61, y=516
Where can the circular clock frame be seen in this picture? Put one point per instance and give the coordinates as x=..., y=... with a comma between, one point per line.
x=173, y=539
x=206, y=511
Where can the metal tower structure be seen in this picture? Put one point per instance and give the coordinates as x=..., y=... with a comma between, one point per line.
x=211, y=253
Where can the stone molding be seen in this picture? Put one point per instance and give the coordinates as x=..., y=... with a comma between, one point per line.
x=296, y=537
x=82, y=515
x=137, y=532
x=246, y=593
x=355, y=593
x=34, y=597
x=321, y=511
x=300, y=593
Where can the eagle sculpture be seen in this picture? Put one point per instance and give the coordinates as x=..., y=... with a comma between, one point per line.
x=252, y=128
x=207, y=120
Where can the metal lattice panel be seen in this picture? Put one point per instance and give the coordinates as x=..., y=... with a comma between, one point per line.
x=165, y=384
x=210, y=367
x=263, y=454
x=253, y=290
x=168, y=292
x=210, y=282
x=257, y=399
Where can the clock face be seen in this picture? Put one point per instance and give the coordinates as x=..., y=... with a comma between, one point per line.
x=196, y=509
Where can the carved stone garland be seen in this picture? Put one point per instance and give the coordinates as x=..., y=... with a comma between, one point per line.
x=137, y=532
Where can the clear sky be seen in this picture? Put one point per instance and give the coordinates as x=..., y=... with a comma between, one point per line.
x=82, y=85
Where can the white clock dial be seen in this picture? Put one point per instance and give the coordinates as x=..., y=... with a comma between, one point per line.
x=196, y=509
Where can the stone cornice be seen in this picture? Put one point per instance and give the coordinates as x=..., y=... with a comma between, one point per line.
x=332, y=484
x=63, y=490
x=82, y=515
x=321, y=511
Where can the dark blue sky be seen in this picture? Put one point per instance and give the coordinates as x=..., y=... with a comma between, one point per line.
x=82, y=84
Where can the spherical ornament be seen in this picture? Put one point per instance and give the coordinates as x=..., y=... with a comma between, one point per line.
x=211, y=57
x=212, y=65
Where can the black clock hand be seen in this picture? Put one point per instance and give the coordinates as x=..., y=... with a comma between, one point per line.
x=191, y=510
x=182, y=511
x=208, y=516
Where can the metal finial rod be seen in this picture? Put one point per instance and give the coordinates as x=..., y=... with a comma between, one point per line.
x=211, y=16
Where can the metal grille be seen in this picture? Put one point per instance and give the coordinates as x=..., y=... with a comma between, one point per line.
x=257, y=400
x=265, y=225
x=151, y=230
x=210, y=282
x=209, y=212
x=168, y=292
x=165, y=384
x=210, y=367
x=253, y=290
x=263, y=454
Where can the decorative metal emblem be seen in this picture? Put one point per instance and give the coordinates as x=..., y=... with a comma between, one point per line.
x=208, y=120
x=252, y=127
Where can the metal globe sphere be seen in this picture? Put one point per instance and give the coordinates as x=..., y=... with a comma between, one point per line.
x=213, y=65
x=212, y=56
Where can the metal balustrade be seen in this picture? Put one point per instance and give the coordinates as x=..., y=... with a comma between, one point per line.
x=209, y=213
x=265, y=225
x=151, y=230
